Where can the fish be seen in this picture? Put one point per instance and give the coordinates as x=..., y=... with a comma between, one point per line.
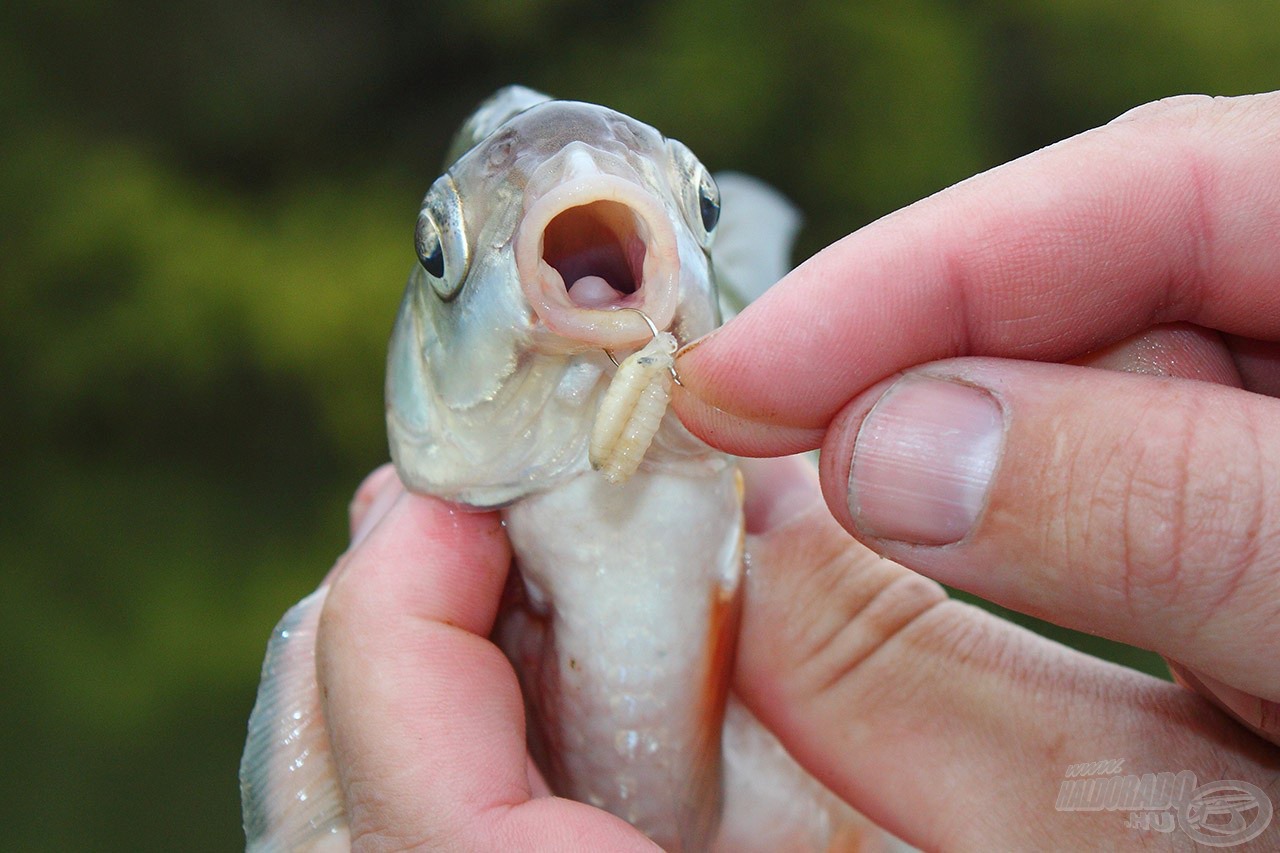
x=564, y=254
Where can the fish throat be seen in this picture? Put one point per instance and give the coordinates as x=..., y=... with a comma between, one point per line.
x=598, y=249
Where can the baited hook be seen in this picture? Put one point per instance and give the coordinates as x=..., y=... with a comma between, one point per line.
x=653, y=329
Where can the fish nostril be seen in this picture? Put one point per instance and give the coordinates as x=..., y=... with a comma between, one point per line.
x=599, y=247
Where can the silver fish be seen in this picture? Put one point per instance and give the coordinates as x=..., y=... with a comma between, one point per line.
x=553, y=218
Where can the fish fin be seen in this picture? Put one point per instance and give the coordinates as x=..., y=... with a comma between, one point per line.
x=289, y=792
x=722, y=629
x=752, y=249
x=489, y=116
x=705, y=797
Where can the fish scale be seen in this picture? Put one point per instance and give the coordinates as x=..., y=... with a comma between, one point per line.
x=628, y=700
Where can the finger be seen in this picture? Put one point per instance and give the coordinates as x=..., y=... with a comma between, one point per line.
x=777, y=490
x=1138, y=508
x=290, y=795
x=382, y=481
x=1192, y=352
x=400, y=644
x=905, y=703
x=1258, y=363
x=424, y=713
x=1157, y=218
x=1260, y=715
x=1176, y=349
x=373, y=499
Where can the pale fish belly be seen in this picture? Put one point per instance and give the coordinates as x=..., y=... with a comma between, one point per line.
x=627, y=672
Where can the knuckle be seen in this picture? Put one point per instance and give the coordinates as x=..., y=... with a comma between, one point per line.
x=1078, y=485
x=1187, y=510
x=1153, y=502
x=1236, y=541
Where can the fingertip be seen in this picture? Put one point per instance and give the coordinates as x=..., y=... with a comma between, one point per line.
x=374, y=485
x=373, y=498
x=422, y=556
x=738, y=434
x=726, y=382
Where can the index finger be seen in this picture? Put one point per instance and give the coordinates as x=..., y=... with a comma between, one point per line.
x=1169, y=213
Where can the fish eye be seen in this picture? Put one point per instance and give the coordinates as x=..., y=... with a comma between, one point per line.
x=697, y=190
x=430, y=252
x=440, y=239
x=709, y=203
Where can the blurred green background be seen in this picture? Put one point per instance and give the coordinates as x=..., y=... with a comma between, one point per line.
x=206, y=214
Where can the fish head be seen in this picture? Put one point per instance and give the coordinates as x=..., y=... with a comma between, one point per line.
x=555, y=218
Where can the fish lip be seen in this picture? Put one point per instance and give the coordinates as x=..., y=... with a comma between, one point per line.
x=547, y=291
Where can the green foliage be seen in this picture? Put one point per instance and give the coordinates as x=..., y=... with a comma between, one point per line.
x=206, y=216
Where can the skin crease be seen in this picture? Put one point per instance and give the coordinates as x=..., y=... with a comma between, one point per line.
x=1149, y=278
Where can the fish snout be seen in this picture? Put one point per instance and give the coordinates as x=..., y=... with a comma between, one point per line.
x=594, y=240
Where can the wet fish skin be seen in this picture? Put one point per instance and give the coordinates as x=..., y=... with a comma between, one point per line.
x=632, y=578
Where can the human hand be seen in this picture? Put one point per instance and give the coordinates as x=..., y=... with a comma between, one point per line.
x=1145, y=508
x=946, y=725
x=905, y=703
x=424, y=714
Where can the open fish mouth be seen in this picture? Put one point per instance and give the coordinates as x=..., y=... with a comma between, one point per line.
x=592, y=241
x=598, y=249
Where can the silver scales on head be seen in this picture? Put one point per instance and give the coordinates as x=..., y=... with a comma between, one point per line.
x=565, y=254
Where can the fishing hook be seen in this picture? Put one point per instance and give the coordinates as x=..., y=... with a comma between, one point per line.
x=653, y=329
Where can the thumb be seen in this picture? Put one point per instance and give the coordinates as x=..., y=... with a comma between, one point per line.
x=1142, y=508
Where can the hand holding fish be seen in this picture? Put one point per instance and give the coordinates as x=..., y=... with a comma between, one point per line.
x=870, y=674
x=422, y=765
x=424, y=718
x=947, y=360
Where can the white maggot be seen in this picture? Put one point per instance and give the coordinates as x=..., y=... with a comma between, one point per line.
x=632, y=409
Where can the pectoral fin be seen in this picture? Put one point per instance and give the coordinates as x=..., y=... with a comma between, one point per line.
x=752, y=249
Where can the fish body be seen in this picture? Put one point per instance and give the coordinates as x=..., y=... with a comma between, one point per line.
x=626, y=689
x=563, y=237
x=626, y=581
